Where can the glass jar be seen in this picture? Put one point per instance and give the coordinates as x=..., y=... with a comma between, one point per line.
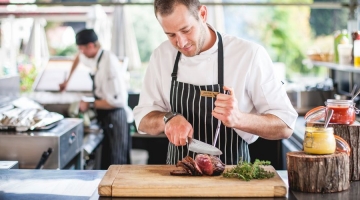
x=344, y=111
x=319, y=140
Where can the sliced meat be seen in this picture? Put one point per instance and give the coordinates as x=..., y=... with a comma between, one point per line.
x=197, y=170
x=188, y=161
x=189, y=166
x=180, y=172
x=204, y=163
x=184, y=167
x=218, y=166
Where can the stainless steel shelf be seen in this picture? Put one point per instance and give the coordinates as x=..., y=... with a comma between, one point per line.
x=335, y=66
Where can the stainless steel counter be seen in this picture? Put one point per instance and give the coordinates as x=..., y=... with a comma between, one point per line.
x=21, y=184
x=26, y=184
x=65, y=140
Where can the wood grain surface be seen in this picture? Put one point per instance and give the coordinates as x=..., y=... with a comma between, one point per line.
x=318, y=173
x=351, y=134
x=156, y=181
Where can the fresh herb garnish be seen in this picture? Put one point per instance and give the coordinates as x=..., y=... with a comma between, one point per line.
x=247, y=171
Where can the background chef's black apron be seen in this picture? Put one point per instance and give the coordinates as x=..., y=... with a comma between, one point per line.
x=116, y=144
x=186, y=99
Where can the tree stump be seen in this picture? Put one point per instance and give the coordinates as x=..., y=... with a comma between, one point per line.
x=318, y=173
x=351, y=134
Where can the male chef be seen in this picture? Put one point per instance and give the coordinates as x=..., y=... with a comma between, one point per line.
x=183, y=93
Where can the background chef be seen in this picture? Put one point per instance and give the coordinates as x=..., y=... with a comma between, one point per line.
x=109, y=90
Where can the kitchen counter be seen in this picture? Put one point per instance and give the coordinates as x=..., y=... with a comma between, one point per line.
x=22, y=184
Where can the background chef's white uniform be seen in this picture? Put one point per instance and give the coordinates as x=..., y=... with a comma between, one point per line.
x=110, y=85
x=248, y=69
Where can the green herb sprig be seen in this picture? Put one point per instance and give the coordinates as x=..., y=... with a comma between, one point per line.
x=247, y=171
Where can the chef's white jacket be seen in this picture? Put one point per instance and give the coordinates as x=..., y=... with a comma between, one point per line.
x=248, y=69
x=109, y=80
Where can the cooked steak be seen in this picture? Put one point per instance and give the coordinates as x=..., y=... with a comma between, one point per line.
x=218, y=165
x=203, y=164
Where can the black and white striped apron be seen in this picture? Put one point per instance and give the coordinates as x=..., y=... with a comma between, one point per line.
x=186, y=99
x=116, y=143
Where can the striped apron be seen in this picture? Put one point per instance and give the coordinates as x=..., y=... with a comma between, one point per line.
x=186, y=99
x=116, y=143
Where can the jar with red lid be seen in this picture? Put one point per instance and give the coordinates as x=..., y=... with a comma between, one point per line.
x=344, y=111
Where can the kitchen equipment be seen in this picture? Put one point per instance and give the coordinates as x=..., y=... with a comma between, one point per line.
x=93, y=136
x=217, y=132
x=43, y=159
x=219, y=124
x=9, y=165
x=303, y=101
x=20, y=119
x=65, y=139
x=353, y=90
x=344, y=112
x=202, y=147
x=354, y=96
x=342, y=145
x=319, y=140
x=328, y=116
x=156, y=181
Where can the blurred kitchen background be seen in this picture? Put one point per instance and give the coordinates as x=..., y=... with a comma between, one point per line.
x=37, y=46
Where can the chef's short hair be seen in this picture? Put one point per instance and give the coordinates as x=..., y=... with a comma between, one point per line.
x=97, y=44
x=86, y=36
x=166, y=7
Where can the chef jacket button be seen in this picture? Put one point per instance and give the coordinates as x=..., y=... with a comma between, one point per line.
x=111, y=126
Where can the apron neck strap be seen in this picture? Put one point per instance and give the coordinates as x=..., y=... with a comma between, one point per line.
x=98, y=60
x=93, y=76
x=220, y=62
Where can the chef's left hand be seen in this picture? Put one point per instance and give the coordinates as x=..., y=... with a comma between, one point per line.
x=226, y=108
x=84, y=106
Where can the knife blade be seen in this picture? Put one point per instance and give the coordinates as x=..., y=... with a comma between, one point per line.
x=202, y=147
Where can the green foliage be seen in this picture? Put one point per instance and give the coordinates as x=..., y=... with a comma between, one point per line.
x=288, y=36
x=67, y=51
x=148, y=31
x=248, y=171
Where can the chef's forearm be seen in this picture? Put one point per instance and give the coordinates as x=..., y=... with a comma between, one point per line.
x=267, y=126
x=153, y=123
x=102, y=104
x=73, y=67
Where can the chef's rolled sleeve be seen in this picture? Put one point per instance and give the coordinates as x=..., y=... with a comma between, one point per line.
x=267, y=91
x=113, y=86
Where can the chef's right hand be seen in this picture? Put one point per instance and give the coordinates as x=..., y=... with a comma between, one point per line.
x=178, y=129
x=62, y=86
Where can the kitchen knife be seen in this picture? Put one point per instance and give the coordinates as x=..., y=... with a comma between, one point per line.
x=202, y=147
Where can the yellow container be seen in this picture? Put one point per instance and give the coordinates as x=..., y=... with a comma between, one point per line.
x=357, y=61
x=319, y=140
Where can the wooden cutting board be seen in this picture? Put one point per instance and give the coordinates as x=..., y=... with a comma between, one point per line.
x=156, y=181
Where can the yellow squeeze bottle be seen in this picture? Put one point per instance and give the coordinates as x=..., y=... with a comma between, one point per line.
x=357, y=52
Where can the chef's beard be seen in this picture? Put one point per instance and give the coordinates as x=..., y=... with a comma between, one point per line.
x=201, y=40
x=199, y=43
